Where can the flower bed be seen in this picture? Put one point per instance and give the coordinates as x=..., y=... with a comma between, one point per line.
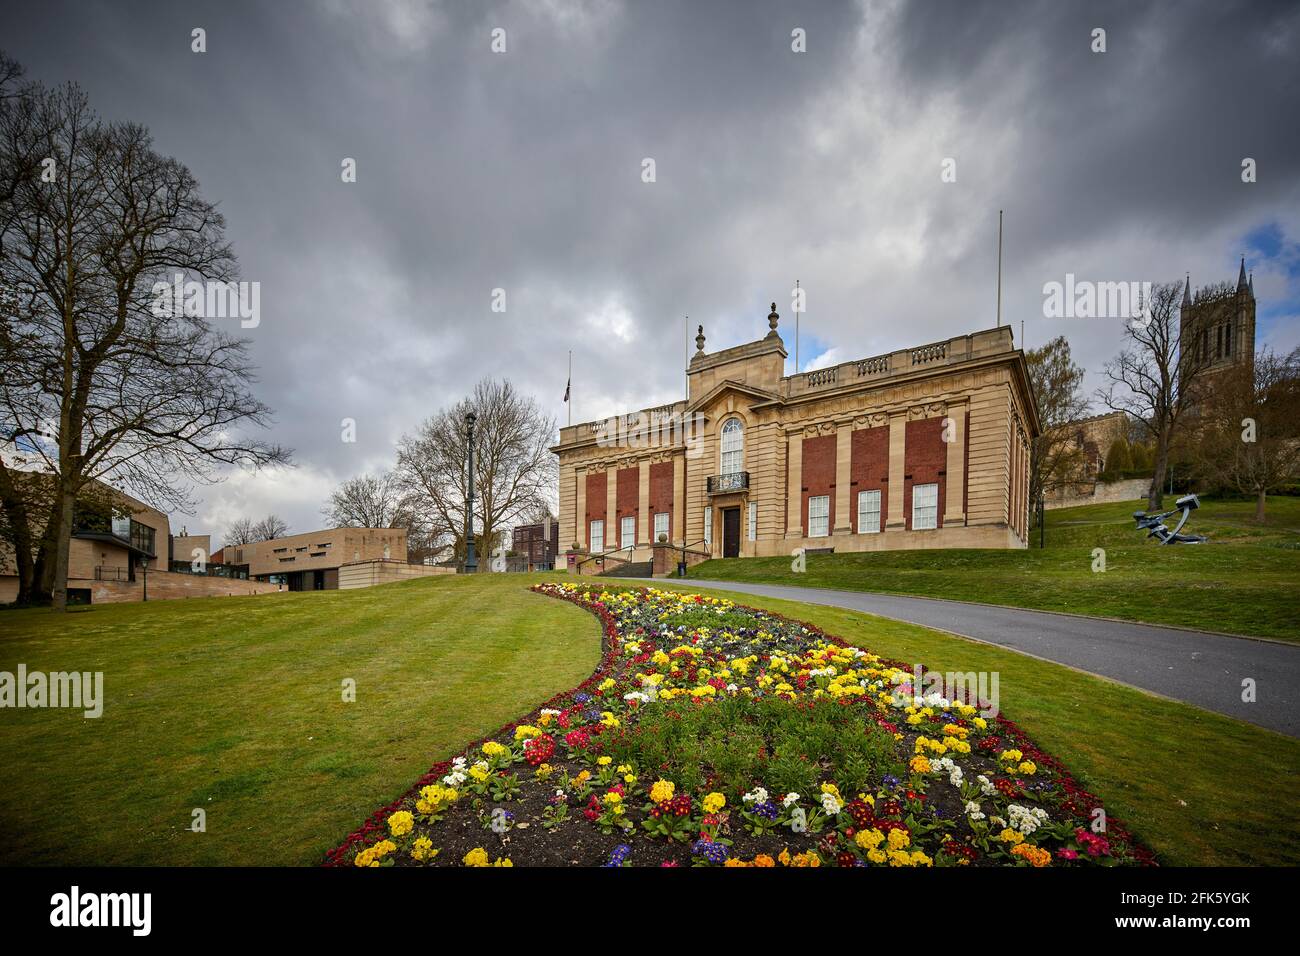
x=714, y=734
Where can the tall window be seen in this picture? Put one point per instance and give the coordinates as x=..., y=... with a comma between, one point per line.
x=597, y=538
x=819, y=516
x=925, y=507
x=753, y=520
x=708, y=526
x=869, y=512
x=627, y=531
x=733, y=447
x=661, y=524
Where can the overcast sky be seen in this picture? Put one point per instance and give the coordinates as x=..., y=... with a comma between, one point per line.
x=522, y=171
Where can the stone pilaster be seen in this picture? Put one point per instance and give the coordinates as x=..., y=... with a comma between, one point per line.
x=843, y=459
x=897, y=464
x=794, y=498
x=955, y=483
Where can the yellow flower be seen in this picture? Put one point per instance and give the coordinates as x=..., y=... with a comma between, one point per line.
x=401, y=823
x=1028, y=767
x=423, y=849
x=476, y=857
x=919, y=764
x=869, y=839
x=714, y=802
x=898, y=839
x=1011, y=836
x=662, y=791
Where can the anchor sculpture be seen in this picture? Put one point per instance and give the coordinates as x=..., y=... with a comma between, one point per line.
x=1154, y=524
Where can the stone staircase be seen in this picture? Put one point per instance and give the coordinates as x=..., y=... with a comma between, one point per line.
x=634, y=569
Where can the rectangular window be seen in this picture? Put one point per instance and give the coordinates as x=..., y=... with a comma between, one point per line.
x=708, y=526
x=925, y=507
x=661, y=524
x=597, y=539
x=869, y=512
x=627, y=531
x=819, y=516
x=753, y=520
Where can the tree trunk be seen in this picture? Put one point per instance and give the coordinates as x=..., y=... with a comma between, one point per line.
x=59, y=592
x=1155, y=493
x=1260, y=497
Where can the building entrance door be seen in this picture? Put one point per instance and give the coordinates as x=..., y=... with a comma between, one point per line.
x=731, y=532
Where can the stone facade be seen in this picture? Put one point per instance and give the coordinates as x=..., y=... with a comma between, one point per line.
x=311, y=561
x=941, y=432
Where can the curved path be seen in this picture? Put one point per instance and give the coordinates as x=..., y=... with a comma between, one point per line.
x=1195, y=667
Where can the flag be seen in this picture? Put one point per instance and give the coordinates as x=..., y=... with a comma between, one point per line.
x=566, y=388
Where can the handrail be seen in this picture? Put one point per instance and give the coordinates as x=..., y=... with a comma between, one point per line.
x=609, y=554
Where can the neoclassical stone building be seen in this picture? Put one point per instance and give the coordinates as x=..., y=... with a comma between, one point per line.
x=925, y=447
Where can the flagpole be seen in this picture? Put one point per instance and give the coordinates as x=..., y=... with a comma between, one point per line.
x=999, y=268
x=570, y=401
x=796, y=327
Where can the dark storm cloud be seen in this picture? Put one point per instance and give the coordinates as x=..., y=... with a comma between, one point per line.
x=521, y=171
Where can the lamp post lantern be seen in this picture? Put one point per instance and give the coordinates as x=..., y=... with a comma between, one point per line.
x=471, y=565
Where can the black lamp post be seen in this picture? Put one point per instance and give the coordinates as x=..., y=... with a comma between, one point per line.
x=471, y=565
x=144, y=568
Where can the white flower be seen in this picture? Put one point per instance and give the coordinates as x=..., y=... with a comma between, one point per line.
x=830, y=804
x=986, y=787
x=757, y=795
x=790, y=800
x=1026, y=819
x=973, y=810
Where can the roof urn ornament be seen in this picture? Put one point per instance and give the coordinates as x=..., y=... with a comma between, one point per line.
x=699, y=339
x=773, y=318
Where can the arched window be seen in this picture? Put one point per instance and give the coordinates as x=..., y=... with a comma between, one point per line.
x=733, y=447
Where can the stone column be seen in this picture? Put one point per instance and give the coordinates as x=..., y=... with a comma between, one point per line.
x=611, y=507
x=581, y=529
x=643, y=519
x=679, y=499
x=794, y=497
x=843, y=458
x=955, y=484
x=897, y=460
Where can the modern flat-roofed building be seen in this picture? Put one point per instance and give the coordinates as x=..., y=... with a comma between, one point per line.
x=924, y=447
x=537, y=544
x=122, y=550
x=311, y=561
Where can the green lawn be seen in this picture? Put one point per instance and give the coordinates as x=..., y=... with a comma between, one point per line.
x=234, y=705
x=1198, y=788
x=1246, y=581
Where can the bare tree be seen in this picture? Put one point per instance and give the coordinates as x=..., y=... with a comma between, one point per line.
x=1248, y=433
x=368, y=501
x=514, y=468
x=269, y=528
x=99, y=383
x=1057, y=382
x=239, y=532
x=1153, y=379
